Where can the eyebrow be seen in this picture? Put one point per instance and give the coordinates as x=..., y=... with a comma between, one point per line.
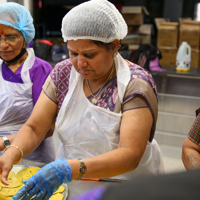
x=82, y=51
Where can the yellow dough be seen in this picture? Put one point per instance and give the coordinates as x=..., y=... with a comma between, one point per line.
x=57, y=196
x=13, y=180
x=61, y=189
x=9, y=192
x=2, y=197
x=15, y=184
x=26, y=173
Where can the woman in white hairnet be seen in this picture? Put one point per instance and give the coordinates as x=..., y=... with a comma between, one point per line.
x=22, y=75
x=106, y=109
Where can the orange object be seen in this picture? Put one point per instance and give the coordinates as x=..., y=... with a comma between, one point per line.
x=91, y=179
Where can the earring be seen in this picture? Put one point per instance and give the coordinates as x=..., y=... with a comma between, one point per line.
x=115, y=54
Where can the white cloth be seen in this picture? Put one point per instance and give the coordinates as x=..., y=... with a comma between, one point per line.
x=16, y=105
x=86, y=130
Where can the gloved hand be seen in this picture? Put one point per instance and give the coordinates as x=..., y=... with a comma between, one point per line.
x=46, y=181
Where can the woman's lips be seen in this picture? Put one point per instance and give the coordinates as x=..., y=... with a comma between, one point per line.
x=82, y=71
x=5, y=53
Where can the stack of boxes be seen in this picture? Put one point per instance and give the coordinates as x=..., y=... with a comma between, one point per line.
x=167, y=42
x=138, y=33
x=190, y=32
x=172, y=34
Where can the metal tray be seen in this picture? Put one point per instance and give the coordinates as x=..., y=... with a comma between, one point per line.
x=17, y=168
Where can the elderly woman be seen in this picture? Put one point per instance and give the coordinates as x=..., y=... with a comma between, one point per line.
x=21, y=77
x=106, y=109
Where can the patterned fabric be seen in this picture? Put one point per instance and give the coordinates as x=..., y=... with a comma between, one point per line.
x=93, y=194
x=194, y=134
x=140, y=92
x=60, y=76
x=109, y=96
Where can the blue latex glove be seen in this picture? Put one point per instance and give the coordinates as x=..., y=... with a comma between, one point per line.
x=46, y=181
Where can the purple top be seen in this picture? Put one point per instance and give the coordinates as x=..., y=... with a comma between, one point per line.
x=38, y=74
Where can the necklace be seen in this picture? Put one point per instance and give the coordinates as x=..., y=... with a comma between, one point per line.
x=94, y=97
x=18, y=66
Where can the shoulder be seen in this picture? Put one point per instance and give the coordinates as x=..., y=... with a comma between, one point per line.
x=61, y=71
x=42, y=65
x=139, y=74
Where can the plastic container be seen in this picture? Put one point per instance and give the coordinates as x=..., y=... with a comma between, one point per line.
x=183, y=57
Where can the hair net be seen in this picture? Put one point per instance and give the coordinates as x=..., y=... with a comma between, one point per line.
x=17, y=16
x=96, y=20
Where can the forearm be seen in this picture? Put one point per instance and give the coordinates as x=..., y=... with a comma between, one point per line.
x=108, y=164
x=27, y=140
x=191, y=158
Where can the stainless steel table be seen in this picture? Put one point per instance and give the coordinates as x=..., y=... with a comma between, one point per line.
x=75, y=188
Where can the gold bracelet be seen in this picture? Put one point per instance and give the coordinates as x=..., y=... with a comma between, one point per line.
x=18, y=149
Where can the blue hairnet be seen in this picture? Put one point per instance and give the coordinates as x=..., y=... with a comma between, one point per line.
x=17, y=16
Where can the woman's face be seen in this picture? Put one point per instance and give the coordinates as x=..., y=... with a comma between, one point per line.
x=90, y=60
x=11, y=48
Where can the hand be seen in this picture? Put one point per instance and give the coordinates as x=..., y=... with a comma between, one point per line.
x=6, y=164
x=46, y=181
x=2, y=146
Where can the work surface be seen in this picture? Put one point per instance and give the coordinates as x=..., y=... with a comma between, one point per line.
x=75, y=188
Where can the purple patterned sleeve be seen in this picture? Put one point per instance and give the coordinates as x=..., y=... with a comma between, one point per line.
x=93, y=194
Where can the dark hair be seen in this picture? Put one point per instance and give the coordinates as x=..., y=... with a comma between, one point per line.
x=106, y=46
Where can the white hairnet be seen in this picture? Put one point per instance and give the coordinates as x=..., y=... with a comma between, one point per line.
x=96, y=20
x=17, y=16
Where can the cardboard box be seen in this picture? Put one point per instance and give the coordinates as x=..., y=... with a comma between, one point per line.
x=168, y=56
x=167, y=35
x=190, y=33
x=159, y=21
x=133, y=15
x=139, y=34
x=194, y=58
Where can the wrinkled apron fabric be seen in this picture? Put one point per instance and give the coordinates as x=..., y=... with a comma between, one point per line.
x=86, y=130
x=16, y=105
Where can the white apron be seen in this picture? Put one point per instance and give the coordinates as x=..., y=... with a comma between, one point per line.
x=16, y=105
x=86, y=130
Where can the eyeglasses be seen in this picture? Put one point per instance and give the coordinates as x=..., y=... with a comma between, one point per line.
x=10, y=39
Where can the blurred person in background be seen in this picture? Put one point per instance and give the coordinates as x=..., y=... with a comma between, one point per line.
x=191, y=145
x=22, y=75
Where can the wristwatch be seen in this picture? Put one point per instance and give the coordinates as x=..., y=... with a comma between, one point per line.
x=6, y=141
x=82, y=169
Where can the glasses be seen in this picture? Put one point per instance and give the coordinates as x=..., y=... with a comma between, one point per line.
x=10, y=39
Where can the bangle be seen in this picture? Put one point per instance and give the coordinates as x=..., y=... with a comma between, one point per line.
x=82, y=170
x=18, y=149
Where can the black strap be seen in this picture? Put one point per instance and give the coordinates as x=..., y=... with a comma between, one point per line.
x=23, y=51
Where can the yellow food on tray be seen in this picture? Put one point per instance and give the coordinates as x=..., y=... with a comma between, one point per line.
x=14, y=181
x=61, y=189
x=9, y=192
x=2, y=197
x=57, y=196
x=27, y=172
x=15, y=184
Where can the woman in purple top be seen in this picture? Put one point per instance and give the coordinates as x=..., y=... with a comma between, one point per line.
x=21, y=77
